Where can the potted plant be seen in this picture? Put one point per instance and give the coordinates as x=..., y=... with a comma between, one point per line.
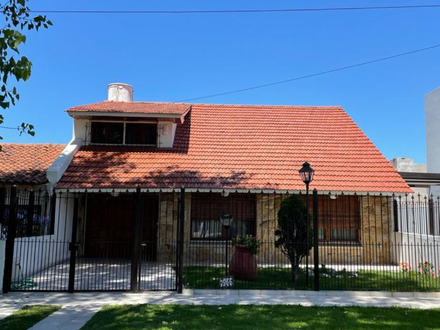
x=243, y=265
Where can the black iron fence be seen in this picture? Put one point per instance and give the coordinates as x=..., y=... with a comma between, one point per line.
x=170, y=240
x=358, y=242
x=89, y=241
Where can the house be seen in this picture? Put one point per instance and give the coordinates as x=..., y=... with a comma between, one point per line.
x=24, y=166
x=210, y=149
x=119, y=180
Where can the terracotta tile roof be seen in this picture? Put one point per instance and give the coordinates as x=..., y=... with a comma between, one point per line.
x=250, y=147
x=134, y=107
x=27, y=163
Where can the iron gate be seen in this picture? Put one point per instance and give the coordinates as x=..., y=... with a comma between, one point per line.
x=91, y=241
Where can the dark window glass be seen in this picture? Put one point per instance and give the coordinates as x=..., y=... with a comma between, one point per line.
x=140, y=134
x=111, y=133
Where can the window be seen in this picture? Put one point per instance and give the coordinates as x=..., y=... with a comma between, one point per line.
x=108, y=133
x=140, y=134
x=113, y=133
x=206, y=210
x=339, y=219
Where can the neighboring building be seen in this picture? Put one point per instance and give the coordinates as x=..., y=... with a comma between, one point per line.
x=414, y=174
x=425, y=178
x=25, y=165
x=402, y=164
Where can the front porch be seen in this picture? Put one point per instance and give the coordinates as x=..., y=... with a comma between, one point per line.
x=99, y=274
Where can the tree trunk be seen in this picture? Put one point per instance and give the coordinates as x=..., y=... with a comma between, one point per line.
x=294, y=272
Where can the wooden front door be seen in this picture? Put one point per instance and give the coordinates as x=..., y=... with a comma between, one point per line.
x=109, y=225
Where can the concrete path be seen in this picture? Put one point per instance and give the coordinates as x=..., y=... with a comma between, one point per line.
x=78, y=308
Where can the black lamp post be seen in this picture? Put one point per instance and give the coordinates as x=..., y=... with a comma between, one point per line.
x=306, y=174
x=226, y=220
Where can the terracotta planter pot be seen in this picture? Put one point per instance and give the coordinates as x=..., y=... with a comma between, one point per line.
x=243, y=265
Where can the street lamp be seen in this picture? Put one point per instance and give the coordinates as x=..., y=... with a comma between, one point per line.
x=306, y=174
x=226, y=220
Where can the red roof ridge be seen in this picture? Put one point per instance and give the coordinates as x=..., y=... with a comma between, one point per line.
x=216, y=104
x=269, y=106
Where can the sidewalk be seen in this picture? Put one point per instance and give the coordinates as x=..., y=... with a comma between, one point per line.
x=78, y=308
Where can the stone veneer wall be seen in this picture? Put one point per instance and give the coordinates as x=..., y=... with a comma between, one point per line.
x=374, y=247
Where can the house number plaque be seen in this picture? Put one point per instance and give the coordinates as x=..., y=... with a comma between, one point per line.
x=227, y=282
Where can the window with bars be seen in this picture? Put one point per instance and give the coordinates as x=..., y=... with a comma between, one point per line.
x=207, y=208
x=339, y=219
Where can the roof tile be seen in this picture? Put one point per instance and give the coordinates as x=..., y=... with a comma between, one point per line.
x=27, y=163
x=247, y=147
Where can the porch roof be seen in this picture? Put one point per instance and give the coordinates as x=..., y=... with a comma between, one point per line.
x=244, y=147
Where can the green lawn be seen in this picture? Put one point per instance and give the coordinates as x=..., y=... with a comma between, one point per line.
x=279, y=278
x=27, y=316
x=234, y=317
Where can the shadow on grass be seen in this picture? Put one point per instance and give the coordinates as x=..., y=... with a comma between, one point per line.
x=197, y=277
x=234, y=317
x=27, y=317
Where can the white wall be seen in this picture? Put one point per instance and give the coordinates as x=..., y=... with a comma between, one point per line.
x=416, y=248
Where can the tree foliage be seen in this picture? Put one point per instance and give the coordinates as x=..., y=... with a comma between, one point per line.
x=291, y=236
x=16, y=14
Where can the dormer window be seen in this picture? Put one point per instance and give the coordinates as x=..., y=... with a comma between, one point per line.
x=124, y=133
x=140, y=134
x=107, y=133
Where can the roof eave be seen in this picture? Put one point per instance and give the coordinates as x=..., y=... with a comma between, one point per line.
x=177, y=118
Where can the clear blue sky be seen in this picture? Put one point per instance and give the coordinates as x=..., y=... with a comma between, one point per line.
x=174, y=57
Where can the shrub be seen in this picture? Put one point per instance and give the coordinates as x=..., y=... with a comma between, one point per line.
x=291, y=236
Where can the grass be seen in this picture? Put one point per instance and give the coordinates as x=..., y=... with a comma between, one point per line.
x=197, y=277
x=27, y=316
x=234, y=317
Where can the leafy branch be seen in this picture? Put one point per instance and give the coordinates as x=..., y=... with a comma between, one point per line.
x=17, y=17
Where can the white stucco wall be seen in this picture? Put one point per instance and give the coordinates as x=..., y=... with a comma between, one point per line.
x=166, y=133
x=415, y=249
x=432, y=119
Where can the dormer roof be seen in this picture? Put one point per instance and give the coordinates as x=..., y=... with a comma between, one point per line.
x=174, y=111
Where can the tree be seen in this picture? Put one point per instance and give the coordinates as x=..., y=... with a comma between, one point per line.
x=291, y=235
x=17, y=16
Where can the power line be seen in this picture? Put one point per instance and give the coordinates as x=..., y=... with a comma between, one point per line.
x=232, y=11
x=7, y=127
x=313, y=74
